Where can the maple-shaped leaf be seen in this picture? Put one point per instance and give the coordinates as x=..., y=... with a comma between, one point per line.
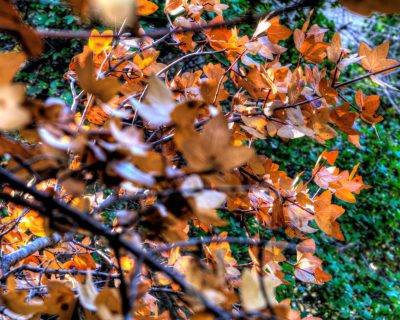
x=158, y=103
x=226, y=39
x=312, y=48
x=11, y=22
x=375, y=59
x=211, y=149
x=145, y=7
x=104, y=89
x=368, y=105
x=98, y=42
x=326, y=214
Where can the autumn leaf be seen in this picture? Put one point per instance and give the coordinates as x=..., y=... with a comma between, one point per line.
x=104, y=89
x=12, y=114
x=98, y=42
x=308, y=269
x=330, y=156
x=158, y=103
x=368, y=105
x=251, y=293
x=335, y=50
x=10, y=21
x=205, y=202
x=10, y=63
x=146, y=7
x=174, y=7
x=116, y=12
x=326, y=214
x=375, y=59
x=277, y=32
x=203, y=151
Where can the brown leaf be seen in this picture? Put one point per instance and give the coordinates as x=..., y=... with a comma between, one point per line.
x=11, y=22
x=211, y=149
x=374, y=60
x=104, y=89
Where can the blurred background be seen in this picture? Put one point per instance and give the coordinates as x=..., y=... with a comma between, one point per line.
x=366, y=268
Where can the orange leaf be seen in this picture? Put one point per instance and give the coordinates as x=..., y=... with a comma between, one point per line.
x=146, y=7
x=369, y=105
x=326, y=214
x=276, y=31
x=375, y=59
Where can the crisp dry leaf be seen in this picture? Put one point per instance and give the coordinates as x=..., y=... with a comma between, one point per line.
x=313, y=51
x=309, y=269
x=104, y=89
x=330, y=156
x=158, y=103
x=375, y=59
x=262, y=27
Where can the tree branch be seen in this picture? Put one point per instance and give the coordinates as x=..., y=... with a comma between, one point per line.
x=155, y=33
x=38, y=244
x=90, y=224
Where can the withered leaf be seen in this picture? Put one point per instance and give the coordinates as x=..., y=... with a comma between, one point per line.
x=104, y=89
x=211, y=149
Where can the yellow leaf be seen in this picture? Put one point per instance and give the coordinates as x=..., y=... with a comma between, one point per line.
x=98, y=42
